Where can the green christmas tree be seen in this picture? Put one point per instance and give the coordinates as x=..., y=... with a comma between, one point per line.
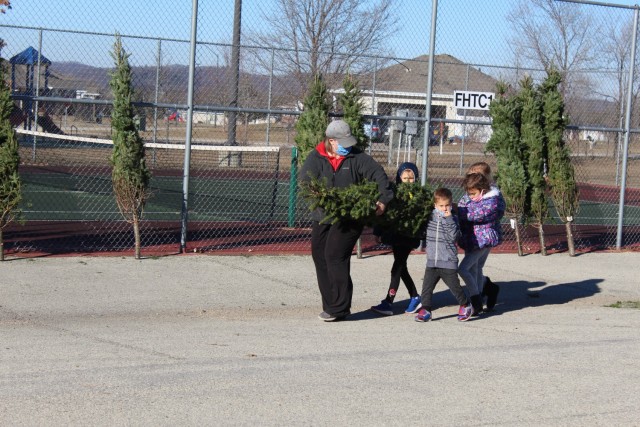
x=406, y=214
x=356, y=202
x=409, y=211
x=564, y=189
x=313, y=121
x=505, y=143
x=351, y=102
x=130, y=175
x=533, y=139
x=10, y=183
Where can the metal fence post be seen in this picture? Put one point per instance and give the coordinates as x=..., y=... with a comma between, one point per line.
x=234, y=68
x=36, y=107
x=155, y=107
x=270, y=96
x=427, y=123
x=373, y=104
x=627, y=129
x=464, y=126
x=620, y=136
x=187, y=142
x=293, y=187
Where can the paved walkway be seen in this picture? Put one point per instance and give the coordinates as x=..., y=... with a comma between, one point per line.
x=212, y=340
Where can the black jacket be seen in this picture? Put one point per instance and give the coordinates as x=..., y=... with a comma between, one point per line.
x=356, y=167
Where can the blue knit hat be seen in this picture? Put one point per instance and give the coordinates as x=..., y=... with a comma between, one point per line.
x=403, y=167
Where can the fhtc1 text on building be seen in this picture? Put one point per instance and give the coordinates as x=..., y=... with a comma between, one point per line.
x=472, y=100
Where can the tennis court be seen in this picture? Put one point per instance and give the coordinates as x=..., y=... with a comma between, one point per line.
x=240, y=199
x=72, y=197
x=231, y=213
x=68, y=196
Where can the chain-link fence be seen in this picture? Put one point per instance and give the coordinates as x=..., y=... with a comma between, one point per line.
x=239, y=191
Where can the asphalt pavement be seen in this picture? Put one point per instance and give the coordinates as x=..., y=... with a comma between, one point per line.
x=235, y=340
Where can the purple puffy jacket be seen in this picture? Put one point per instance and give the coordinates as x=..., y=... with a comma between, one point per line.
x=480, y=221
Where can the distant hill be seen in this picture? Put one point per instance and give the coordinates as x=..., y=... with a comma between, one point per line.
x=74, y=75
x=211, y=82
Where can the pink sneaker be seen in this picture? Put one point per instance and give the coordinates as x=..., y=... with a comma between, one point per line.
x=465, y=312
x=423, y=315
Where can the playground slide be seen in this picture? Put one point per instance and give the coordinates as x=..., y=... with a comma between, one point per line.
x=19, y=116
x=48, y=125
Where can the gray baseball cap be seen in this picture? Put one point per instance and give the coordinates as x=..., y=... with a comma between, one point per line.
x=340, y=131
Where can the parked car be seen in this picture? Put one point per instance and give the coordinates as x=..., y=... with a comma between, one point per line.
x=438, y=132
x=376, y=130
x=372, y=130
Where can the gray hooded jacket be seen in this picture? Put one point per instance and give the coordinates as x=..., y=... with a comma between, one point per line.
x=442, y=233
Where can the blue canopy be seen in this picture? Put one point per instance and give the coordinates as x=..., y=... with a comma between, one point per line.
x=29, y=56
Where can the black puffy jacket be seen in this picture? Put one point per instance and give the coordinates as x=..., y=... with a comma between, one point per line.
x=356, y=167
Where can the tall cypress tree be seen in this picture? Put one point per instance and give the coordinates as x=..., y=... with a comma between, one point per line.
x=130, y=175
x=564, y=189
x=506, y=145
x=313, y=121
x=351, y=102
x=533, y=139
x=10, y=183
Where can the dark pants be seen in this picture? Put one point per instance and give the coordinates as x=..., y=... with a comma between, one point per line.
x=450, y=277
x=400, y=271
x=331, y=248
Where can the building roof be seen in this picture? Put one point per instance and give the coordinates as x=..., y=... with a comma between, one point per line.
x=29, y=56
x=450, y=74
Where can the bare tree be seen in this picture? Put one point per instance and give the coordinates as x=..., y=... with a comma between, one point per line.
x=4, y=5
x=328, y=37
x=550, y=33
x=616, y=56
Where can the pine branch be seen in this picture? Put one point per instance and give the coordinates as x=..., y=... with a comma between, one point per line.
x=356, y=202
x=408, y=213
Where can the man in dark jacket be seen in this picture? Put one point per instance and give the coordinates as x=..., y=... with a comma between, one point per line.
x=341, y=164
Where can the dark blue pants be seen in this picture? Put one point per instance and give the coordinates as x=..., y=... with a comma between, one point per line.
x=331, y=248
x=432, y=276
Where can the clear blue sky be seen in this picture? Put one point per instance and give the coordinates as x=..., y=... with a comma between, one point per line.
x=473, y=30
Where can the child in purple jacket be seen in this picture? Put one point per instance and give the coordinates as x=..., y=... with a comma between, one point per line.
x=479, y=212
x=490, y=290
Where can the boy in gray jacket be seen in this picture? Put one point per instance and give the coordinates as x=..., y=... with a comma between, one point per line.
x=442, y=257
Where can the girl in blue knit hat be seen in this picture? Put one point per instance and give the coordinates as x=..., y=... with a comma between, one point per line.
x=402, y=246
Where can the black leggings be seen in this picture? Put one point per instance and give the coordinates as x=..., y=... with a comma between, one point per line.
x=399, y=271
x=331, y=248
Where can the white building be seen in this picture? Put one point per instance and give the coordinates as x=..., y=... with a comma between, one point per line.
x=402, y=86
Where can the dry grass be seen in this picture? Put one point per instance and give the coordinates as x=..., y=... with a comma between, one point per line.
x=625, y=304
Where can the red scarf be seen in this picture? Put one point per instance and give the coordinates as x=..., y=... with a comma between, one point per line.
x=334, y=161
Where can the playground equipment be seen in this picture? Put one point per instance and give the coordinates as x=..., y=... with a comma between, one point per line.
x=33, y=61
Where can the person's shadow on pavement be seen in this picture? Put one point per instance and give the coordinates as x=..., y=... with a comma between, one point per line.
x=518, y=294
x=514, y=295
